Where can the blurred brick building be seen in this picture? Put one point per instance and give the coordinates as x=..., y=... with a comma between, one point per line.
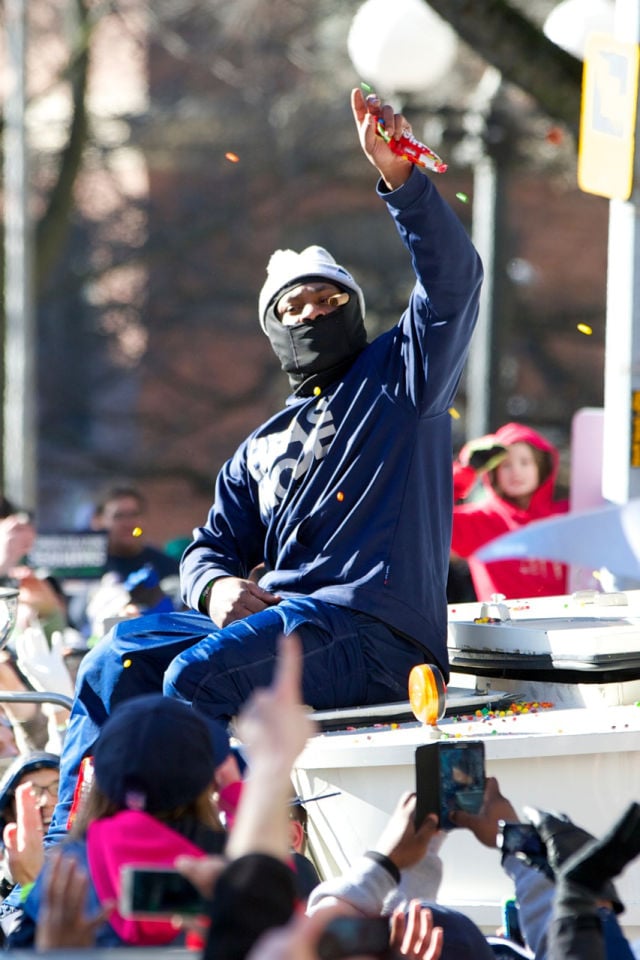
x=209, y=152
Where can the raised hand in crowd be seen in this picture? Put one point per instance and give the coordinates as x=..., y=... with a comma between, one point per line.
x=274, y=727
x=24, y=851
x=63, y=921
x=484, y=824
x=17, y=535
x=411, y=935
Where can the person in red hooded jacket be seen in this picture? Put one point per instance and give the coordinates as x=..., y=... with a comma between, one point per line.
x=518, y=468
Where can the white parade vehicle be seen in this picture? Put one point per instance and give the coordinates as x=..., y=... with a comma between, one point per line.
x=552, y=688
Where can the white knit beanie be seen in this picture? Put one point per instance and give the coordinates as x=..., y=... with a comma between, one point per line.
x=285, y=267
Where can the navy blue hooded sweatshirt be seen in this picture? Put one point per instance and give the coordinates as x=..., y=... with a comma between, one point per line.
x=347, y=496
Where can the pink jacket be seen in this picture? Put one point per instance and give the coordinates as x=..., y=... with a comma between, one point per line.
x=477, y=523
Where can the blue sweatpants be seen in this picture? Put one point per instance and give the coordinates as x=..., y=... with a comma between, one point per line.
x=350, y=659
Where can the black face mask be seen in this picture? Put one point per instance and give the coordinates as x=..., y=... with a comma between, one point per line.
x=315, y=354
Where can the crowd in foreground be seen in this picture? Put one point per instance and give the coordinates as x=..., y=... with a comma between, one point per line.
x=154, y=798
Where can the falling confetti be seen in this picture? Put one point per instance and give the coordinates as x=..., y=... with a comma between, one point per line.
x=136, y=532
x=340, y=496
x=454, y=413
x=317, y=391
x=365, y=87
x=126, y=663
x=462, y=197
x=584, y=328
x=232, y=157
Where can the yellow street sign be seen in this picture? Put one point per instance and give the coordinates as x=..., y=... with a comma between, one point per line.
x=608, y=117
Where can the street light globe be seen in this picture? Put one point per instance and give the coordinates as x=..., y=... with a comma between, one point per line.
x=400, y=46
x=570, y=23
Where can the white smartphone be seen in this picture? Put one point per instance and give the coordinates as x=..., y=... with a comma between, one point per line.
x=152, y=892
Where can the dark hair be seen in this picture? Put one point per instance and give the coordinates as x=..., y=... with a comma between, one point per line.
x=97, y=806
x=6, y=507
x=118, y=492
x=299, y=813
x=9, y=509
x=544, y=462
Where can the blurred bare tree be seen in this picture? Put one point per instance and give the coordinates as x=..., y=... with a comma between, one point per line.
x=176, y=144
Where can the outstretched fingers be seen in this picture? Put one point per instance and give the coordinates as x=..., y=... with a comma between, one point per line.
x=413, y=934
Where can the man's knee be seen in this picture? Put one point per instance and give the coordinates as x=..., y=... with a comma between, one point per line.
x=184, y=675
x=171, y=685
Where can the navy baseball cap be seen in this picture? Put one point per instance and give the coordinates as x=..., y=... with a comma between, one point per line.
x=154, y=753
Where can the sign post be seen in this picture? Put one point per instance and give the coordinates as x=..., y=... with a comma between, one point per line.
x=608, y=117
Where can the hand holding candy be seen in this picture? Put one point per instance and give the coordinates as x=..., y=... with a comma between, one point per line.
x=387, y=140
x=413, y=150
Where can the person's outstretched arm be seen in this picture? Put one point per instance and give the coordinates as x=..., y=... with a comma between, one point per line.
x=375, y=877
x=435, y=330
x=534, y=892
x=583, y=882
x=256, y=890
x=274, y=727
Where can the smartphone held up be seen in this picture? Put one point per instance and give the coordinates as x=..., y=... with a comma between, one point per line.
x=152, y=892
x=450, y=776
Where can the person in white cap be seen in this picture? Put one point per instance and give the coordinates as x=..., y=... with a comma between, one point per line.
x=343, y=499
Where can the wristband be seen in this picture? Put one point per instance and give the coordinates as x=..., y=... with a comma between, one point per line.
x=203, y=602
x=384, y=861
x=25, y=890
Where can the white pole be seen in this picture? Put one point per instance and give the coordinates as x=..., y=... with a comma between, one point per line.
x=479, y=364
x=620, y=478
x=19, y=450
x=484, y=223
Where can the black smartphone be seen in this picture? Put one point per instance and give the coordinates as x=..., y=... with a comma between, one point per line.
x=352, y=936
x=523, y=841
x=511, y=921
x=151, y=892
x=449, y=776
